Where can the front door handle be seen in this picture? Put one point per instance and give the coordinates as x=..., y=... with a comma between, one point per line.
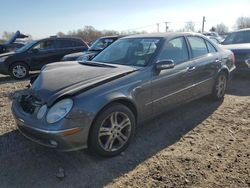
x=192, y=68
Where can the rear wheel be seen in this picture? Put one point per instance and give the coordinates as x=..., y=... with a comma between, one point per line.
x=112, y=131
x=19, y=70
x=220, y=86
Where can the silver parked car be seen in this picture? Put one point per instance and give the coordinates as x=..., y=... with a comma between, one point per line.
x=98, y=104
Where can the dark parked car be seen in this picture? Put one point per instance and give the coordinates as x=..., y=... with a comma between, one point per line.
x=36, y=54
x=95, y=48
x=239, y=43
x=98, y=104
x=11, y=45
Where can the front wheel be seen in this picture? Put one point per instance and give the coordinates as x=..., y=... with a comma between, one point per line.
x=112, y=131
x=19, y=71
x=220, y=86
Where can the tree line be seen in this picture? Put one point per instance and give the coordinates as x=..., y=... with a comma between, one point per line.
x=221, y=28
x=89, y=33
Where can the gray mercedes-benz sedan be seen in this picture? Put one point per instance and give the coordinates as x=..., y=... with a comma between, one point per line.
x=98, y=104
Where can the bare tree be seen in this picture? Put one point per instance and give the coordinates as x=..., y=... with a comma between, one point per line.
x=221, y=28
x=243, y=22
x=60, y=34
x=213, y=29
x=189, y=26
x=89, y=33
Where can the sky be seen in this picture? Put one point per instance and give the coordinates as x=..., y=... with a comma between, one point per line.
x=43, y=18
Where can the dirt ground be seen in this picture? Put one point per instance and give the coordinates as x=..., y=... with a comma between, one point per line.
x=200, y=144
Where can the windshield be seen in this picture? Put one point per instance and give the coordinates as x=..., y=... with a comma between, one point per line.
x=101, y=43
x=133, y=51
x=237, y=38
x=26, y=47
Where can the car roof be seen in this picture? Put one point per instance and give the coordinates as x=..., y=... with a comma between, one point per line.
x=165, y=35
x=61, y=38
x=245, y=29
x=112, y=37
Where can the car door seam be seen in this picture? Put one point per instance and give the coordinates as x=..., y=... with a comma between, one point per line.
x=166, y=96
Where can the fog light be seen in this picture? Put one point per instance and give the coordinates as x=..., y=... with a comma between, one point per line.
x=54, y=143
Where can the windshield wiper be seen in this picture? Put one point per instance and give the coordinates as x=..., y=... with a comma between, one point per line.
x=95, y=64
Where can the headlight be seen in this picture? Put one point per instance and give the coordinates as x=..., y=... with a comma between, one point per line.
x=3, y=58
x=59, y=110
x=41, y=112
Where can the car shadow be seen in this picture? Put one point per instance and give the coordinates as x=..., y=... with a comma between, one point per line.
x=25, y=164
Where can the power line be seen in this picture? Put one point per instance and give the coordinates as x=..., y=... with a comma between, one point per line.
x=158, y=24
x=141, y=27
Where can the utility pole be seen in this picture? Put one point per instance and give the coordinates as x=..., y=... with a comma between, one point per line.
x=203, y=23
x=158, y=26
x=166, y=26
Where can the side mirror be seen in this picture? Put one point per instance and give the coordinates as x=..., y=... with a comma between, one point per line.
x=165, y=64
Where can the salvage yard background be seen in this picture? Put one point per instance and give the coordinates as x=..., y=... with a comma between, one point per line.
x=201, y=144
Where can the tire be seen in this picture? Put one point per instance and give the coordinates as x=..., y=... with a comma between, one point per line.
x=112, y=131
x=220, y=86
x=19, y=71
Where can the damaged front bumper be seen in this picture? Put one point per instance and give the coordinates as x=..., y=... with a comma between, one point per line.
x=64, y=135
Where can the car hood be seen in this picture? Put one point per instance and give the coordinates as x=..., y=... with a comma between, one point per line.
x=90, y=53
x=70, y=78
x=237, y=47
x=81, y=53
x=7, y=54
x=74, y=54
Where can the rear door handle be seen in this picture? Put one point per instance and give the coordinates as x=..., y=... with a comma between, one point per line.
x=192, y=68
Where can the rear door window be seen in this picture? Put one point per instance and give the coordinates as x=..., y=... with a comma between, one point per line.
x=198, y=46
x=64, y=44
x=210, y=47
x=77, y=43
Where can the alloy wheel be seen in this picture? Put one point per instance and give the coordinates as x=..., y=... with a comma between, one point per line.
x=221, y=85
x=114, y=131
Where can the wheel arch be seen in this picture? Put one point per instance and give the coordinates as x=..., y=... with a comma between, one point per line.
x=15, y=62
x=225, y=70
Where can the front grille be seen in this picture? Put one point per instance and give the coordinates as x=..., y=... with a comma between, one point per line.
x=29, y=103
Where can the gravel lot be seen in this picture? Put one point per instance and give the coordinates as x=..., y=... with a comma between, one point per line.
x=201, y=144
